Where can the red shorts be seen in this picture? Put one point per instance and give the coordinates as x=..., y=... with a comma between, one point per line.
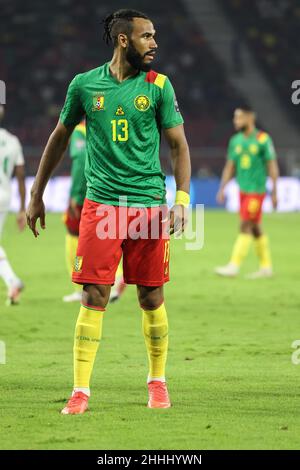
x=108, y=232
x=251, y=207
x=72, y=220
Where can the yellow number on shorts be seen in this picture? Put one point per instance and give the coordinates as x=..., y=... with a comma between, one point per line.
x=167, y=251
x=253, y=206
x=122, y=126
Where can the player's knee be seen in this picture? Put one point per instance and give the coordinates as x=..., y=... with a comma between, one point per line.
x=95, y=295
x=246, y=226
x=256, y=230
x=150, y=298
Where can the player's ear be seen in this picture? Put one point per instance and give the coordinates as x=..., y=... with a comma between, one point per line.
x=123, y=40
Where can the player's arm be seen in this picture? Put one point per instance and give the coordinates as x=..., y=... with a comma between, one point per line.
x=273, y=172
x=20, y=176
x=273, y=169
x=171, y=122
x=228, y=171
x=227, y=174
x=181, y=164
x=53, y=153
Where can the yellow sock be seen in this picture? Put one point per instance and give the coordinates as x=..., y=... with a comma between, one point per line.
x=155, y=329
x=263, y=251
x=241, y=248
x=71, y=248
x=88, y=333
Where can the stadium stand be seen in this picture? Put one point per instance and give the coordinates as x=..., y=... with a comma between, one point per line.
x=271, y=28
x=41, y=50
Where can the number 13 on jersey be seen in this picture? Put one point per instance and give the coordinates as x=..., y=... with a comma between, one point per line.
x=119, y=130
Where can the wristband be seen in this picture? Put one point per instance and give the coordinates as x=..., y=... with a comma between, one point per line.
x=182, y=198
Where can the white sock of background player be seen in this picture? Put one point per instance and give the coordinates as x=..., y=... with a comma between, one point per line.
x=6, y=271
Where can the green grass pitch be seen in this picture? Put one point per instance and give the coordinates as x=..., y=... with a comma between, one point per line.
x=230, y=375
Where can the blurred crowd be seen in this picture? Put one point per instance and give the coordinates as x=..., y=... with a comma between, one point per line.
x=271, y=28
x=43, y=45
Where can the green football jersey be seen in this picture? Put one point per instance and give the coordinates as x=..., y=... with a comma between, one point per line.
x=250, y=155
x=78, y=156
x=123, y=122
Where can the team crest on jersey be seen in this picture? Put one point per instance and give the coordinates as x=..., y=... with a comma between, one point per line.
x=142, y=102
x=253, y=149
x=120, y=111
x=238, y=149
x=78, y=264
x=98, y=102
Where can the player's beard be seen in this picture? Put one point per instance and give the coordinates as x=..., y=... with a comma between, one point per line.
x=241, y=128
x=135, y=59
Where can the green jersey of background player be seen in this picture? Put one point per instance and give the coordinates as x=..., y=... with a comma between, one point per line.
x=78, y=157
x=126, y=107
x=77, y=194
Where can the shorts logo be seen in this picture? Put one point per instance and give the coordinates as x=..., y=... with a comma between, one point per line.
x=78, y=264
x=98, y=102
x=142, y=102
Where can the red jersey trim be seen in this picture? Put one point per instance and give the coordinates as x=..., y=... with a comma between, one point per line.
x=151, y=76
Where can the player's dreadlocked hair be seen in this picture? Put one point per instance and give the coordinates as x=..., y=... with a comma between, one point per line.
x=120, y=22
x=245, y=107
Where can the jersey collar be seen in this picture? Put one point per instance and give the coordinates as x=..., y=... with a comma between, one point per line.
x=114, y=80
x=253, y=134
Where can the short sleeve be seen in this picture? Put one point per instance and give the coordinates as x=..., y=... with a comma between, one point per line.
x=269, y=149
x=72, y=111
x=169, y=113
x=231, y=154
x=19, y=157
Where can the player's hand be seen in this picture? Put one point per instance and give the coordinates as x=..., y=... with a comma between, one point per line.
x=178, y=219
x=35, y=211
x=74, y=208
x=221, y=196
x=274, y=199
x=21, y=220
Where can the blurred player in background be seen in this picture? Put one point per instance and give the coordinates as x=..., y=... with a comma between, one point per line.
x=127, y=106
x=73, y=213
x=251, y=158
x=77, y=195
x=11, y=162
